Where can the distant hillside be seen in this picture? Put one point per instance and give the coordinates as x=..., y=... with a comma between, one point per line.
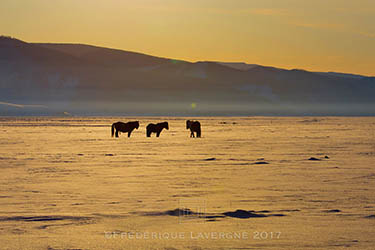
x=105, y=56
x=82, y=79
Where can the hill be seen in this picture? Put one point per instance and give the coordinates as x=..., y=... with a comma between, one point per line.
x=83, y=79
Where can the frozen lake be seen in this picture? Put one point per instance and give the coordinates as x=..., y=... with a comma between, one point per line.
x=248, y=183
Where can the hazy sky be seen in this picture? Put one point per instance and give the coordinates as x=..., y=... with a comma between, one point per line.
x=319, y=35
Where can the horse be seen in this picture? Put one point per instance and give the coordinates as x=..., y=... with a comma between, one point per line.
x=194, y=126
x=156, y=128
x=124, y=127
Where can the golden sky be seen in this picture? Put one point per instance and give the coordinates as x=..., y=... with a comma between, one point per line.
x=318, y=35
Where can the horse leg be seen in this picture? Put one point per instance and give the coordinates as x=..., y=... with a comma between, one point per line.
x=191, y=133
x=116, y=134
x=157, y=134
x=148, y=133
x=129, y=133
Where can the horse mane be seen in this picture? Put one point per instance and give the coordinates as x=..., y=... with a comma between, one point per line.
x=164, y=125
x=135, y=123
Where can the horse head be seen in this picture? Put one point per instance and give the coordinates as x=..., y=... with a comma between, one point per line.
x=188, y=124
x=137, y=124
x=166, y=126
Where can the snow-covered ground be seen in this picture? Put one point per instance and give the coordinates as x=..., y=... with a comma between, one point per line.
x=248, y=183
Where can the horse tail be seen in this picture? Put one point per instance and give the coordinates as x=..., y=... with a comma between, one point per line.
x=198, y=129
x=148, y=131
x=113, y=129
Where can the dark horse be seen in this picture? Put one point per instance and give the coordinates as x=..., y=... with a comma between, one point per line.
x=156, y=128
x=124, y=127
x=194, y=126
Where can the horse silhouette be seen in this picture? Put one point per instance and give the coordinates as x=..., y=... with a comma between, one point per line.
x=124, y=127
x=194, y=126
x=156, y=128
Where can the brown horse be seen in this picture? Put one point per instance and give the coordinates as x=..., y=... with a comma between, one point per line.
x=124, y=127
x=194, y=126
x=156, y=128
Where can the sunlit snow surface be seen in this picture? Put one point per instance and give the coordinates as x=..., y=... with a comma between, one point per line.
x=65, y=183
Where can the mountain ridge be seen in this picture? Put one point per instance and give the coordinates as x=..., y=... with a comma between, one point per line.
x=235, y=65
x=87, y=79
